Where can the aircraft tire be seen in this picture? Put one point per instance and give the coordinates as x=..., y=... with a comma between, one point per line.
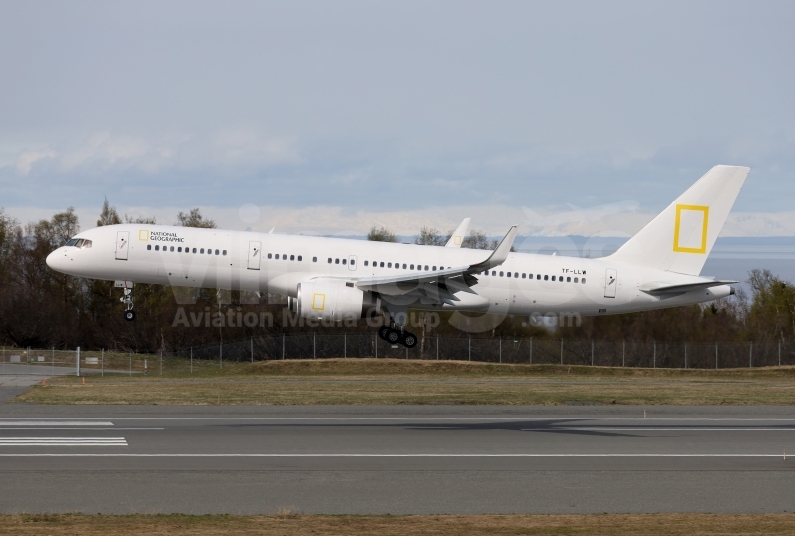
x=393, y=336
x=129, y=316
x=382, y=331
x=409, y=340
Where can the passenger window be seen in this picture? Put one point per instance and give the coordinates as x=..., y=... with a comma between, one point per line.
x=583, y=280
x=568, y=280
x=502, y=274
x=336, y=261
x=344, y=261
x=426, y=267
x=353, y=261
x=149, y=247
x=172, y=248
x=329, y=260
x=300, y=258
x=292, y=257
x=538, y=276
x=412, y=266
x=209, y=252
x=523, y=276
x=494, y=272
x=365, y=262
x=224, y=252
x=516, y=274
x=434, y=268
x=194, y=250
x=217, y=252
x=546, y=278
x=389, y=265
x=576, y=279
x=270, y=255
x=201, y=251
x=157, y=247
x=553, y=278
x=382, y=265
x=314, y=259
x=404, y=266
x=179, y=250
x=509, y=274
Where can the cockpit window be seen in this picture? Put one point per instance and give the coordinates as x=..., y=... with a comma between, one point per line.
x=80, y=243
x=86, y=244
x=72, y=242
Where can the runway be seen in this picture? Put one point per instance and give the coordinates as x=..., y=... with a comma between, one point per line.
x=396, y=460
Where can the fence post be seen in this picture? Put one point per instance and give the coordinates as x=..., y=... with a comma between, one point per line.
x=779, y=353
x=623, y=348
x=531, y=350
x=561, y=351
x=344, y=344
x=191, y=359
x=500, y=348
x=161, y=360
x=53, y=353
x=220, y=354
x=78, y=361
x=716, y=356
x=130, y=362
x=252, y=349
x=314, y=345
x=437, y=347
x=103, y=362
x=654, y=343
x=685, y=355
x=282, y=346
x=591, y=352
x=750, y=354
x=469, y=348
x=376, y=345
x=52, y=363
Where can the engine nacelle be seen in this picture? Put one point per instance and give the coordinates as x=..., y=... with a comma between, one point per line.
x=333, y=301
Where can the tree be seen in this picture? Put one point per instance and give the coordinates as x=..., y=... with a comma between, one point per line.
x=140, y=219
x=194, y=218
x=772, y=311
x=430, y=237
x=380, y=235
x=478, y=240
x=109, y=216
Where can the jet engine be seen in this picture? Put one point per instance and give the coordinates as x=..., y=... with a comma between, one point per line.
x=334, y=301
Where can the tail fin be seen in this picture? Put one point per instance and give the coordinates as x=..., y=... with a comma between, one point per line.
x=680, y=238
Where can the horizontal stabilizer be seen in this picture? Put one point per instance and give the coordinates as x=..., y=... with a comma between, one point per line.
x=658, y=288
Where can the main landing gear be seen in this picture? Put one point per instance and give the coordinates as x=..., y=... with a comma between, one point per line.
x=129, y=314
x=395, y=335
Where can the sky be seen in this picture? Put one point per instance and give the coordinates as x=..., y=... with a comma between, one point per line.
x=330, y=117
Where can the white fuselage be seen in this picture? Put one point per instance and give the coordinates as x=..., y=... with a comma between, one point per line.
x=241, y=260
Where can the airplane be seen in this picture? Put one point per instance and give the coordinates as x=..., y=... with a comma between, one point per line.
x=334, y=279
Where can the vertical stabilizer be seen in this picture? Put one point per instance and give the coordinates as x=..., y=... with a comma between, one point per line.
x=680, y=238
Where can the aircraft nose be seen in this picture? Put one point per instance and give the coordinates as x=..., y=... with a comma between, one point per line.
x=54, y=259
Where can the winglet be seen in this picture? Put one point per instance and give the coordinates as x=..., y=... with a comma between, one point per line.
x=500, y=254
x=457, y=238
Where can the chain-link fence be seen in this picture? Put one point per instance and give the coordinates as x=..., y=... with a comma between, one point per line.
x=433, y=347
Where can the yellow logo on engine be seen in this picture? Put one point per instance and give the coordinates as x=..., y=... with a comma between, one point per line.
x=318, y=302
x=688, y=219
x=143, y=235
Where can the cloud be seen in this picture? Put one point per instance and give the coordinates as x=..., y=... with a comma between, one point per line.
x=26, y=159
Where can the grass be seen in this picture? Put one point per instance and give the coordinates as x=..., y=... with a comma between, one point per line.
x=288, y=523
x=393, y=382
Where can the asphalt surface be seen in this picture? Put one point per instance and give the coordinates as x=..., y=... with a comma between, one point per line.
x=398, y=460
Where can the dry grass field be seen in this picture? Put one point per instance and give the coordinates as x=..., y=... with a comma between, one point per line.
x=287, y=523
x=392, y=382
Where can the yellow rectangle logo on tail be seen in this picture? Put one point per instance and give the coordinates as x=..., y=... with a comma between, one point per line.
x=688, y=219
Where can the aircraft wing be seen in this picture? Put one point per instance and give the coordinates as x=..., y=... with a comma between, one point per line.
x=660, y=288
x=457, y=238
x=406, y=283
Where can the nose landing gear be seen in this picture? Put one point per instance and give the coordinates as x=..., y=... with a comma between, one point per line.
x=129, y=314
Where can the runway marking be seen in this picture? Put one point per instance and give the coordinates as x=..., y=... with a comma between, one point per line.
x=62, y=441
x=326, y=455
x=81, y=428
x=54, y=423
